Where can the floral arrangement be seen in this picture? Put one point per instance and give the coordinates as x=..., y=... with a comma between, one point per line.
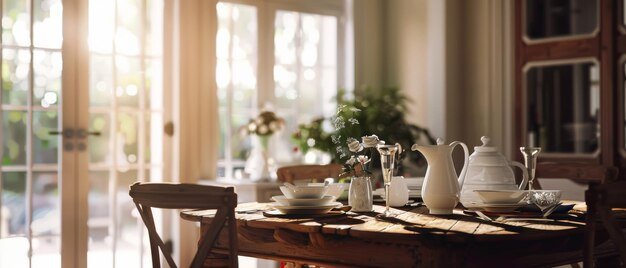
x=361, y=153
x=265, y=124
x=362, y=157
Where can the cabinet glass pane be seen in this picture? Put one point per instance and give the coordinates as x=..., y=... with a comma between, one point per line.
x=560, y=18
x=563, y=107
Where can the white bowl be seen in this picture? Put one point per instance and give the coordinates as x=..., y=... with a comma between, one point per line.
x=336, y=189
x=284, y=201
x=304, y=191
x=501, y=196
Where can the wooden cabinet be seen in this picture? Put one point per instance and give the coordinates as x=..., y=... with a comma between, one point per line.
x=569, y=82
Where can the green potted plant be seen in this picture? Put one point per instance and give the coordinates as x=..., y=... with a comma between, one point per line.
x=369, y=112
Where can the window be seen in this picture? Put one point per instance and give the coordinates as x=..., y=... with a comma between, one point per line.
x=289, y=60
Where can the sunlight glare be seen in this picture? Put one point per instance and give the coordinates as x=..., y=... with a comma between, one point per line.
x=21, y=30
x=222, y=74
x=223, y=40
x=126, y=42
x=131, y=90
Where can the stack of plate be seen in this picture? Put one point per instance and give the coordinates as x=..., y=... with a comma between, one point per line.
x=304, y=199
x=304, y=205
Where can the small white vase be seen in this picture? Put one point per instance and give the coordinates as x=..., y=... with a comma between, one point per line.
x=398, y=191
x=257, y=164
x=360, y=196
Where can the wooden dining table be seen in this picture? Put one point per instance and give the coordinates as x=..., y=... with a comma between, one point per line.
x=414, y=238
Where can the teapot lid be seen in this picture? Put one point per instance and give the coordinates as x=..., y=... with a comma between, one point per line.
x=485, y=148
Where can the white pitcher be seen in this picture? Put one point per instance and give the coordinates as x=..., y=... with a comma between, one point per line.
x=442, y=187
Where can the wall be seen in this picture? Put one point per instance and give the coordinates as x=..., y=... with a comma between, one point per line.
x=405, y=50
x=453, y=59
x=369, y=63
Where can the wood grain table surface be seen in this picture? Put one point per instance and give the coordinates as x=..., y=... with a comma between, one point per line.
x=414, y=238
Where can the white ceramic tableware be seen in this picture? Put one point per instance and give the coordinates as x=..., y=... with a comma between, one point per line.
x=501, y=196
x=306, y=209
x=501, y=207
x=300, y=191
x=283, y=200
x=442, y=186
x=398, y=191
x=336, y=189
x=489, y=170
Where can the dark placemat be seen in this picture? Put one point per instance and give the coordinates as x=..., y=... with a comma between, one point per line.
x=277, y=213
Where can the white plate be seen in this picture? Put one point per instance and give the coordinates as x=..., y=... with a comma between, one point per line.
x=306, y=209
x=501, y=196
x=284, y=201
x=491, y=207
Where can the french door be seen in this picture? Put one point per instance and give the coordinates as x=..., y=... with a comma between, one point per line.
x=82, y=114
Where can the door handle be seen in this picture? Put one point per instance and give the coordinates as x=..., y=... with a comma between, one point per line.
x=70, y=133
x=66, y=133
x=83, y=133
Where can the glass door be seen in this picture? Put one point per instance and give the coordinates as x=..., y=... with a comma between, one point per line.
x=82, y=115
x=126, y=109
x=32, y=64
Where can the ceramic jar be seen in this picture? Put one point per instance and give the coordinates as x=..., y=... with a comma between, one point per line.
x=398, y=191
x=360, y=196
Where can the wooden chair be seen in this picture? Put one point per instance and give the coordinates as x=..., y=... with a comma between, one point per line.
x=188, y=196
x=601, y=200
x=600, y=181
x=308, y=172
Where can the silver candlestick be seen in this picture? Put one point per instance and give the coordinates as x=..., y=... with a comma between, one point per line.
x=530, y=160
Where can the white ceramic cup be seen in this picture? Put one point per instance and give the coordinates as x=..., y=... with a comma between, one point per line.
x=398, y=191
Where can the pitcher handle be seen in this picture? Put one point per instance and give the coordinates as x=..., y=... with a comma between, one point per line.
x=524, y=182
x=465, y=161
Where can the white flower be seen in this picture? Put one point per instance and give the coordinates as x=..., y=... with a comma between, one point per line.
x=252, y=127
x=351, y=161
x=262, y=129
x=274, y=126
x=371, y=141
x=363, y=159
x=354, y=145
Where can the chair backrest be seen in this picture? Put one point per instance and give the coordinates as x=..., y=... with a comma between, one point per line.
x=601, y=195
x=572, y=178
x=308, y=172
x=188, y=196
x=601, y=200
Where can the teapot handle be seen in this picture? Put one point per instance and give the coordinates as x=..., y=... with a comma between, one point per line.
x=524, y=182
x=465, y=161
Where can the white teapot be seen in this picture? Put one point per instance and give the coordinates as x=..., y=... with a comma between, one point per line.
x=489, y=170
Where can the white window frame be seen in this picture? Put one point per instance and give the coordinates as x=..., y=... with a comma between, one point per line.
x=266, y=15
